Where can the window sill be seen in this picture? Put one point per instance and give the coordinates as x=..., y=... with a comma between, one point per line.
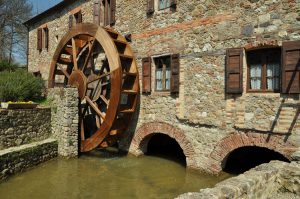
x=161, y=93
x=262, y=91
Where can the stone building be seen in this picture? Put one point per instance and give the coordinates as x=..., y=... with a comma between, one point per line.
x=216, y=76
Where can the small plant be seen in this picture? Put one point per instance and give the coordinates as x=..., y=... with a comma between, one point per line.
x=20, y=86
x=6, y=66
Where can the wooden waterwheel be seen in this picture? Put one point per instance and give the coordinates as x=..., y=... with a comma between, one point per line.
x=101, y=64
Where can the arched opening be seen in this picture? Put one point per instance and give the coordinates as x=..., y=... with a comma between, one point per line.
x=245, y=158
x=164, y=146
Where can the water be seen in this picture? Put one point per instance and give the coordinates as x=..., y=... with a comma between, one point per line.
x=102, y=175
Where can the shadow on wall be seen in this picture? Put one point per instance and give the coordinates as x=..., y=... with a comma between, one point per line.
x=127, y=137
x=244, y=158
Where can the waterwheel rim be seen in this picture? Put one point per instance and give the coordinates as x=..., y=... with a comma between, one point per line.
x=100, y=91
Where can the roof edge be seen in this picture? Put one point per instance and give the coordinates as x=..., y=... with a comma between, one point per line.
x=48, y=12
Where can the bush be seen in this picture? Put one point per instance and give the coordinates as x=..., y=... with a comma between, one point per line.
x=5, y=66
x=20, y=86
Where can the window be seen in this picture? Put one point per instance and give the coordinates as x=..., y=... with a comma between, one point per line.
x=77, y=17
x=104, y=12
x=166, y=74
x=163, y=4
x=162, y=73
x=264, y=70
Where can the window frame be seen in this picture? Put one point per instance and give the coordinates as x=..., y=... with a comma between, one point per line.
x=164, y=73
x=263, y=71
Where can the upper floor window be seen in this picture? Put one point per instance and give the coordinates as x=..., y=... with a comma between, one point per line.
x=76, y=17
x=162, y=73
x=264, y=70
x=104, y=12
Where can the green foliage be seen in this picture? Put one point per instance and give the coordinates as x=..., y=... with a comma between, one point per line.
x=20, y=86
x=5, y=66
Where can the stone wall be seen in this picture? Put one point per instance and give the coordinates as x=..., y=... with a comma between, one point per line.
x=20, y=158
x=264, y=181
x=64, y=120
x=18, y=127
x=200, y=32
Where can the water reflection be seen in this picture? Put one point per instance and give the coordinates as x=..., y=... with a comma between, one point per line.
x=106, y=175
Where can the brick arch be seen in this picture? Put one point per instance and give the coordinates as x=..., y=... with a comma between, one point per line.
x=238, y=140
x=142, y=136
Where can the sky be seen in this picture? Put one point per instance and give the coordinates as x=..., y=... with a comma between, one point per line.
x=42, y=5
x=38, y=7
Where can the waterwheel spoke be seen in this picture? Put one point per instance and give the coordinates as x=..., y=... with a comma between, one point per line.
x=94, y=107
x=82, y=130
x=74, y=51
x=99, y=77
x=64, y=71
x=104, y=99
x=91, y=47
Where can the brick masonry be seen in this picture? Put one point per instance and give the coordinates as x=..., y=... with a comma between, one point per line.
x=200, y=32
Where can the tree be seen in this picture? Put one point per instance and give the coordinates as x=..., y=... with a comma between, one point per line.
x=13, y=34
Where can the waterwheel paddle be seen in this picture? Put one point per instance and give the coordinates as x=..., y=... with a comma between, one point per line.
x=100, y=63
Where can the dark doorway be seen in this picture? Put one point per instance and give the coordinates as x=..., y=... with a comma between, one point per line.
x=245, y=158
x=166, y=147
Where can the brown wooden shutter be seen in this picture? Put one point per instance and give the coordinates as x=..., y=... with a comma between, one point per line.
x=173, y=5
x=46, y=30
x=39, y=39
x=150, y=6
x=97, y=13
x=175, y=64
x=291, y=67
x=146, y=69
x=70, y=21
x=112, y=12
x=234, y=71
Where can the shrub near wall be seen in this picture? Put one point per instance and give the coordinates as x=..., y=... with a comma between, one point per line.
x=20, y=86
